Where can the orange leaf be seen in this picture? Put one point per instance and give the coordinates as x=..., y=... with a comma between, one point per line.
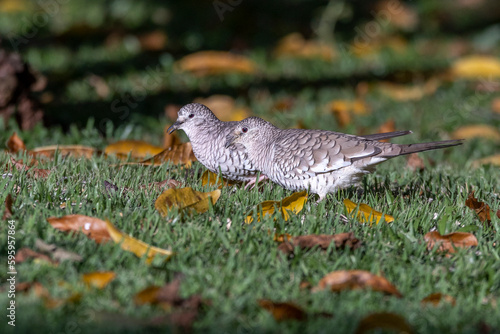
x=283, y=311
x=491, y=160
x=356, y=279
x=482, y=209
x=138, y=149
x=215, y=62
x=436, y=298
x=321, y=241
x=93, y=228
x=477, y=131
x=75, y=151
x=388, y=126
x=295, y=46
x=98, y=279
x=409, y=92
x=170, y=140
x=8, y=207
x=449, y=242
x=224, y=107
x=178, y=154
x=384, y=320
x=148, y=295
x=15, y=144
x=34, y=172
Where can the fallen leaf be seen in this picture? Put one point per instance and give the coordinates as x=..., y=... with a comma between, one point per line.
x=415, y=162
x=400, y=92
x=57, y=253
x=93, y=228
x=495, y=105
x=361, y=48
x=153, y=41
x=388, y=126
x=365, y=213
x=491, y=160
x=8, y=207
x=482, y=209
x=25, y=253
x=476, y=67
x=476, y=131
x=76, y=151
x=449, y=242
x=321, y=241
x=98, y=279
x=186, y=199
x=178, y=155
x=383, y=320
x=170, y=140
x=293, y=203
x=34, y=172
x=224, y=107
x=169, y=293
x=343, y=109
x=148, y=295
x=137, y=149
x=436, y=298
x=295, y=46
x=215, y=62
x=283, y=311
x=212, y=179
x=354, y=280
x=15, y=144
x=407, y=17
x=498, y=214
x=146, y=188
x=135, y=246
x=282, y=237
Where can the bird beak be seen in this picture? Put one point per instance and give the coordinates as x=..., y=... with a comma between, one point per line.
x=230, y=139
x=174, y=127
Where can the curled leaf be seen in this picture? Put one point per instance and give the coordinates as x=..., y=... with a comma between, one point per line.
x=93, y=228
x=284, y=310
x=365, y=213
x=321, y=241
x=98, y=279
x=135, y=246
x=8, y=207
x=15, y=143
x=178, y=155
x=293, y=203
x=383, y=320
x=186, y=199
x=34, y=172
x=482, y=209
x=356, y=279
x=448, y=243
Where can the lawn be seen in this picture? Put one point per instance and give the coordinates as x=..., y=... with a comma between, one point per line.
x=228, y=264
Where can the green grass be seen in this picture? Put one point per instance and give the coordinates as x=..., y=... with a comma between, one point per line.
x=232, y=269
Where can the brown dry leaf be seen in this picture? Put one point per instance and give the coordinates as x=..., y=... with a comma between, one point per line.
x=320, y=241
x=212, y=179
x=482, y=209
x=26, y=253
x=387, y=126
x=295, y=46
x=76, y=151
x=148, y=295
x=170, y=140
x=93, y=228
x=215, y=62
x=146, y=188
x=436, y=298
x=98, y=279
x=406, y=18
x=400, y=92
x=476, y=67
x=284, y=310
x=225, y=108
x=8, y=207
x=178, y=155
x=137, y=149
x=281, y=237
x=448, y=243
x=186, y=199
x=34, y=172
x=153, y=41
x=498, y=214
x=495, y=105
x=476, y=131
x=361, y=48
x=415, y=162
x=13, y=6
x=354, y=280
x=294, y=203
x=135, y=246
x=491, y=160
x=15, y=144
x=365, y=213
x=384, y=321
x=283, y=104
x=343, y=109
x=57, y=253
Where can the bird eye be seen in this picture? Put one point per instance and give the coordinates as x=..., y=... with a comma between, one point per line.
x=191, y=115
x=244, y=130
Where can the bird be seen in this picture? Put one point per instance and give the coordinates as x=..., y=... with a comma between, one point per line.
x=317, y=160
x=207, y=135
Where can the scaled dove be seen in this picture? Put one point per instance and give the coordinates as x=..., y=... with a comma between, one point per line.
x=208, y=135
x=321, y=161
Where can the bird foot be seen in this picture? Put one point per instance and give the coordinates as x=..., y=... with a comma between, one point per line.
x=254, y=181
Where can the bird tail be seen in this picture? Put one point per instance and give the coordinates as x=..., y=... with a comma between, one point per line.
x=413, y=148
x=386, y=135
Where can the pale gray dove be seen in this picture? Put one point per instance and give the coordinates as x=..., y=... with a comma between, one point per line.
x=321, y=161
x=208, y=135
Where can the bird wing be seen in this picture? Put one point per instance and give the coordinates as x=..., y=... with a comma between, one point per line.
x=302, y=154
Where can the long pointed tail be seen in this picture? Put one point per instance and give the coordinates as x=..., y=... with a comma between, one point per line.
x=413, y=148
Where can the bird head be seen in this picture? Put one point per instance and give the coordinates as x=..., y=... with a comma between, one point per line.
x=247, y=132
x=190, y=117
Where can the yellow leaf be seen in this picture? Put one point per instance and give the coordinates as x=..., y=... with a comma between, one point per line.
x=294, y=203
x=137, y=148
x=212, y=179
x=476, y=131
x=491, y=160
x=186, y=198
x=295, y=46
x=365, y=213
x=98, y=279
x=476, y=67
x=343, y=109
x=224, y=107
x=215, y=62
x=400, y=92
x=135, y=246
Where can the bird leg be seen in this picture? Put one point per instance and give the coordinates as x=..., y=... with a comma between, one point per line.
x=254, y=181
